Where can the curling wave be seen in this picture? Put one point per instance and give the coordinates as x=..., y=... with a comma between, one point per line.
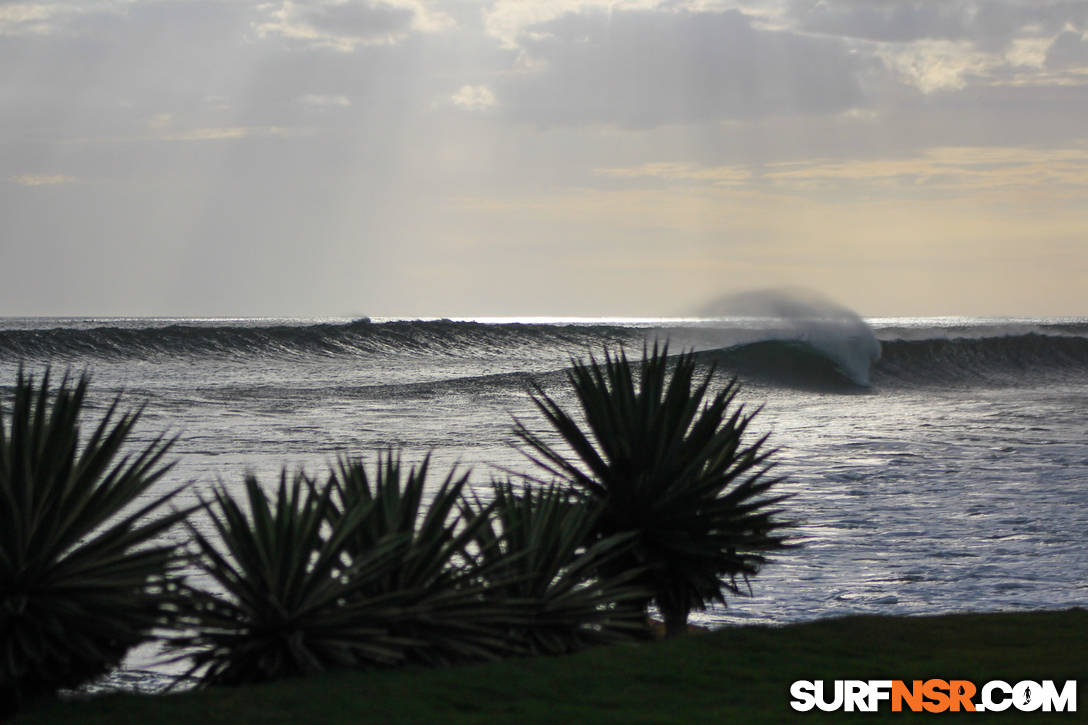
x=774, y=357
x=909, y=363
x=790, y=363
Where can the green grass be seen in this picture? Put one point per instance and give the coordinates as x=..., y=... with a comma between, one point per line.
x=740, y=675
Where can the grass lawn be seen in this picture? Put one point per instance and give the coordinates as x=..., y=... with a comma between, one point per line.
x=739, y=675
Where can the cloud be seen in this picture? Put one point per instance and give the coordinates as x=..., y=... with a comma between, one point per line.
x=642, y=69
x=508, y=20
x=318, y=101
x=938, y=65
x=511, y=21
x=47, y=18
x=988, y=22
x=681, y=172
x=474, y=98
x=949, y=45
x=1069, y=50
x=348, y=24
x=899, y=21
x=181, y=67
x=1028, y=52
x=160, y=121
x=426, y=18
x=605, y=126
x=43, y=179
x=947, y=172
x=26, y=18
x=227, y=134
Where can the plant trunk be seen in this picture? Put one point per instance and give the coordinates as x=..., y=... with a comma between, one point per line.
x=676, y=621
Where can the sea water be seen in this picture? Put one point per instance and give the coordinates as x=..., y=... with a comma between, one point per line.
x=936, y=465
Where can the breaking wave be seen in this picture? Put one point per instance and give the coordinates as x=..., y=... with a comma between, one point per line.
x=913, y=363
x=774, y=357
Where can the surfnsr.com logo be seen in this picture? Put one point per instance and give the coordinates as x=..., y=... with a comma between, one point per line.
x=933, y=696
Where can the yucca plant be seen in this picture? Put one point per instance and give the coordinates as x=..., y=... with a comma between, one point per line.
x=451, y=615
x=291, y=601
x=363, y=573
x=398, y=504
x=539, y=551
x=667, y=462
x=84, y=572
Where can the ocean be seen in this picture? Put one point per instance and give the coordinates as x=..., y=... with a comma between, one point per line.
x=937, y=465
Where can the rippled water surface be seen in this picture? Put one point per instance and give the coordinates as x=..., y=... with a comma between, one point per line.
x=958, y=481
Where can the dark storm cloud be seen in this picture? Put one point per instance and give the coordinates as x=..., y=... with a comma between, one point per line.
x=642, y=69
x=981, y=21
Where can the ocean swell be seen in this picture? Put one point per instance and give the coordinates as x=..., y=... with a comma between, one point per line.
x=942, y=361
x=812, y=356
x=443, y=337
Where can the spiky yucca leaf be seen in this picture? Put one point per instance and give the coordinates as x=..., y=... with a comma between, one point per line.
x=666, y=461
x=396, y=495
x=452, y=616
x=535, y=546
x=292, y=602
x=82, y=579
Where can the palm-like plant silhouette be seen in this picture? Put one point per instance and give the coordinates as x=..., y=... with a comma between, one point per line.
x=451, y=614
x=82, y=576
x=537, y=550
x=364, y=573
x=665, y=461
x=291, y=602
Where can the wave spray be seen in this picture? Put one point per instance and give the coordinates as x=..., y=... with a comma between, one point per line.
x=804, y=316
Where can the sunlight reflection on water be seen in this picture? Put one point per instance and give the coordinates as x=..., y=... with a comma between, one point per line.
x=912, y=499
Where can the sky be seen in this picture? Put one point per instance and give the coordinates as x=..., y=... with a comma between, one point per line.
x=541, y=157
